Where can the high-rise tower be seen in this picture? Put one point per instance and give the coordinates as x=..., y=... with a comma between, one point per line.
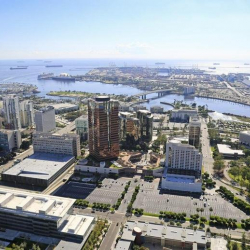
x=11, y=112
x=103, y=122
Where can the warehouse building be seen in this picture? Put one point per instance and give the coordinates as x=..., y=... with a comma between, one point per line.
x=43, y=215
x=40, y=169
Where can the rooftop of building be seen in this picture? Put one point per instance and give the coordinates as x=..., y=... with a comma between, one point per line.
x=144, y=111
x=165, y=232
x=227, y=150
x=77, y=224
x=102, y=98
x=33, y=204
x=58, y=106
x=39, y=165
x=123, y=245
x=180, y=178
x=45, y=109
x=186, y=109
x=54, y=135
x=178, y=143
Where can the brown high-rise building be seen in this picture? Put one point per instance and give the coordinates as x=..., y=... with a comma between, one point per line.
x=103, y=128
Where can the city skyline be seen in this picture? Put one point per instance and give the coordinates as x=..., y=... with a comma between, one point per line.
x=129, y=29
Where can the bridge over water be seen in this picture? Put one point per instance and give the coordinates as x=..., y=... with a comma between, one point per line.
x=161, y=92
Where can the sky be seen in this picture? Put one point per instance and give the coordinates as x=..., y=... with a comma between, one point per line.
x=150, y=29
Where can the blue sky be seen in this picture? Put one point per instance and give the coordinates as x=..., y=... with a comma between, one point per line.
x=176, y=29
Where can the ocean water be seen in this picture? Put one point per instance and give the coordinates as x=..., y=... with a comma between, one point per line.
x=80, y=67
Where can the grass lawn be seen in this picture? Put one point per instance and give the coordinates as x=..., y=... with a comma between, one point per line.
x=19, y=241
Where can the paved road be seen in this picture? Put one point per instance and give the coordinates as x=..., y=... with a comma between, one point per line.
x=208, y=160
x=58, y=183
x=233, y=89
x=67, y=129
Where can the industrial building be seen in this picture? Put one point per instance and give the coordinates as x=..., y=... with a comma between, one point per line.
x=11, y=112
x=194, y=132
x=183, y=115
x=68, y=144
x=43, y=215
x=182, y=168
x=244, y=138
x=64, y=107
x=137, y=232
x=45, y=119
x=146, y=124
x=82, y=127
x=10, y=139
x=103, y=123
x=27, y=113
x=40, y=169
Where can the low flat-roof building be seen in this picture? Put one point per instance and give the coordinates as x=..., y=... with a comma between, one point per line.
x=244, y=137
x=227, y=152
x=42, y=215
x=40, y=169
x=164, y=236
x=64, y=107
x=182, y=115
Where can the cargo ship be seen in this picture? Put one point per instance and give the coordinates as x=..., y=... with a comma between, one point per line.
x=211, y=67
x=63, y=77
x=246, y=64
x=53, y=66
x=19, y=67
x=216, y=63
x=45, y=76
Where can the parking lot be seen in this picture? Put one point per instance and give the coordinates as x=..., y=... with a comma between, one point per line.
x=150, y=199
x=109, y=192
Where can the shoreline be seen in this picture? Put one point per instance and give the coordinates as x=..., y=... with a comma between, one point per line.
x=221, y=99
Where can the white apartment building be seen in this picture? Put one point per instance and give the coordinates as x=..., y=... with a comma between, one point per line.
x=45, y=119
x=245, y=137
x=183, y=115
x=10, y=139
x=82, y=126
x=68, y=144
x=182, y=168
x=183, y=157
x=12, y=112
x=189, y=90
x=26, y=113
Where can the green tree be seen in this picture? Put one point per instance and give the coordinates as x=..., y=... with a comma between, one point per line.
x=234, y=246
x=219, y=165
